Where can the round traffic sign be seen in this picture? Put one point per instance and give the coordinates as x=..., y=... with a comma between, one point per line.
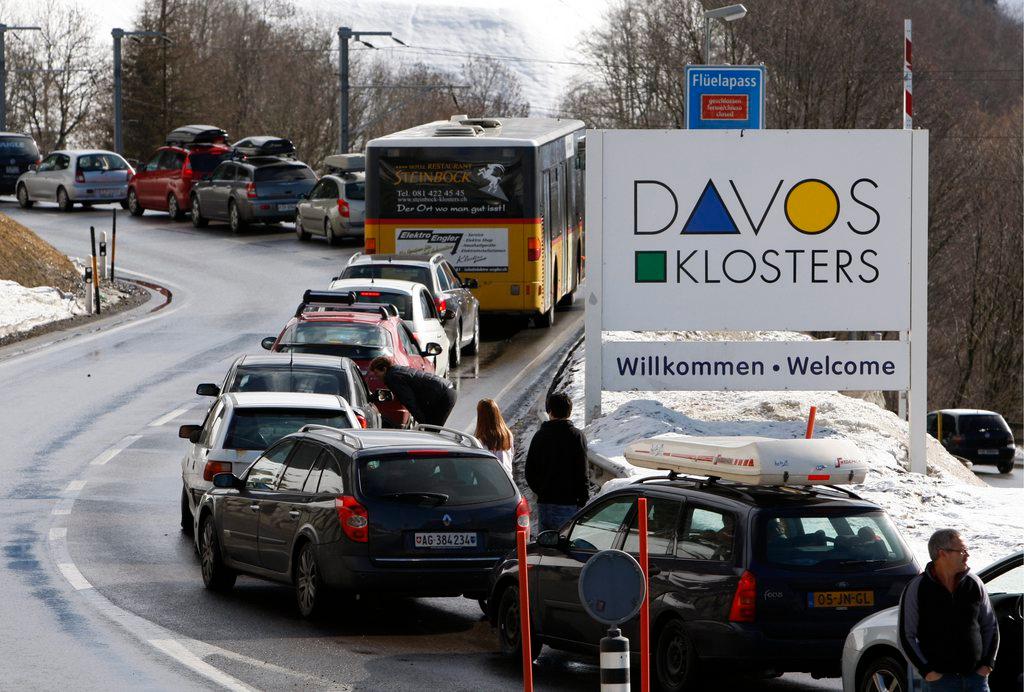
x=612, y=587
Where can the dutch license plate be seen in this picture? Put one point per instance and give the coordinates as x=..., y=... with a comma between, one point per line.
x=286, y=207
x=444, y=540
x=988, y=452
x=840, y=599
x=13, y=169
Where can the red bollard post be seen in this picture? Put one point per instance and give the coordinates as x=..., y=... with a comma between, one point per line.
x=810, y=422
x=524, y=607
x=645, y=609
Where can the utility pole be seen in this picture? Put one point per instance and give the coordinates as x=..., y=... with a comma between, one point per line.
x=3, y=67
x=344, y=34
x=119, y=34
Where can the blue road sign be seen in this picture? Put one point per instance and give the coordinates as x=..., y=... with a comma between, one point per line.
x=725, y=97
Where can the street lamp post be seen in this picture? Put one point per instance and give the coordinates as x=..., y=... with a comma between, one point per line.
x=119, y=34
x=729, y=13
x=3, y=67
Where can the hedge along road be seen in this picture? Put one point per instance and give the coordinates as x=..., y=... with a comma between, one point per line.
x=101, y=590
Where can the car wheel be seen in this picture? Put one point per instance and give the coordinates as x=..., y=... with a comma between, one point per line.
x=23, y=201
x=310, y=591
x=474, y=345
x=884, y=674
x=674, y=658
x=509, y=634
x=186, y=513
x=300, y=232
x=173, y=210
x=235, y=218
x=329, y=233
x=198, y=220
x=546, y=319
x=1005, y=466
x=216, y=575
x=455, y=351
x=484, y=606
x=134, y=208
x=124, y=204
x=64, y=202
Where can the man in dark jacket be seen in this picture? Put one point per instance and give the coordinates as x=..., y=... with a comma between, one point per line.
x=556, y=465
x=429, y=398
x=947, y=626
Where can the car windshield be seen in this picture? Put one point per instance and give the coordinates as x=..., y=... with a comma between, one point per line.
x=829, y=540
x=258, y=428
x=981, y=423
x=440, y=480
x=291, y=379
x=355, y=191
x=204, y=163
x=400, y=300
x=356, y=341
x=401, y=272
x=101, y=162
x=18, y=146
x=273, y=174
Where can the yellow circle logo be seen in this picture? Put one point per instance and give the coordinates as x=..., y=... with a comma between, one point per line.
x=812, y=206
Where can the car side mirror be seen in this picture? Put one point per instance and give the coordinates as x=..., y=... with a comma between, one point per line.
x=549, y=539
x=470, y=283
x=382, y=395
x=433, y=349
x=33, y=166
x=190, y=432
x=268, y=342
x=208, y=389
x=225, y=480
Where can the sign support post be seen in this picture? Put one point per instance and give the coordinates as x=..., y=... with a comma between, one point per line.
x=593, y=323
x=918, y=391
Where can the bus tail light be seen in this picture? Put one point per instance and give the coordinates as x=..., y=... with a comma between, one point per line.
x=343, y=208
x=744, y=601
x=212, y=468
x=371, y=245
x=353, y=517
x=532, y=249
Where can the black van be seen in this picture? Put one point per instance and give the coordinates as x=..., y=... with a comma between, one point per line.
x=18, y=152
x=981, y=437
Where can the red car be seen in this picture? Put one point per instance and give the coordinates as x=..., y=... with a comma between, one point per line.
x=165, y=181
x=333, y=324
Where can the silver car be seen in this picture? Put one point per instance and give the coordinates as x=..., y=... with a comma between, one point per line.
x=335, y=208
x=70, y=176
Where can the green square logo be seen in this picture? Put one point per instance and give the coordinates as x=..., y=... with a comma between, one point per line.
x=649, y=266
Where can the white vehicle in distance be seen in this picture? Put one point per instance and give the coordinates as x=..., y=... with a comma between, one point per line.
x=415, y=306
x=70, y=176
x=336, y=207
x=240, y=426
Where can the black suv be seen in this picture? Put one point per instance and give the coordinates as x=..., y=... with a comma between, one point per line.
x=17, y=153
x=425, y=512
x=765, y=579
x=981, y=437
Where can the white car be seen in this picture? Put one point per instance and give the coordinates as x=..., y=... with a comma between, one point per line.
x=240, y=426
x=873, y=659
x=70, y=176
x=334, y=208
x=415, y=306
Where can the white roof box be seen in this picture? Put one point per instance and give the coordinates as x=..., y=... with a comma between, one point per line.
x=754, y=460
x=346, y=162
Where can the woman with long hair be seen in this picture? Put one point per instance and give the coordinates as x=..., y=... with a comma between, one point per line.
x=493, y=433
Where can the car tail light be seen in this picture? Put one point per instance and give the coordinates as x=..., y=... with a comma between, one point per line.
x=79, y=177
x=362, y=420
x=744, y=601
x=354, y=519
x=343, y=208
x=371, y=246
x=250, y=190
x=532, y=249
x=186, y=171
x=523, y=514
x=441, y=304
x=370, y=294
x=214, y=467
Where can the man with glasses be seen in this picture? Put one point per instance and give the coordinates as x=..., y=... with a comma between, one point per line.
x=947, y=626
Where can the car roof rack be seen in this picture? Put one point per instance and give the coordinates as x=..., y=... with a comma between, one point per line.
x=743, y=489
x=325, y=298
x=346, y=437
x=464, y=439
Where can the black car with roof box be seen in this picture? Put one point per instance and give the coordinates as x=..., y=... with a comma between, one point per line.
x=18, y=153
x=425, y=512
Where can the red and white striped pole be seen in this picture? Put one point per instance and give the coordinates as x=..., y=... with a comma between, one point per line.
x=908, y=79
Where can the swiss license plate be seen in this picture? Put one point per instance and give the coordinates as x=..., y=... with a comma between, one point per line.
x=13, y=169
x=840, y=599
x=988, y=452
x=444, y=540
x=286, y=207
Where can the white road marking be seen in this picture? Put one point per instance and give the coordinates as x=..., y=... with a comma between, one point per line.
x=58, y=533
x=73, y=576
x=168, y=417
x=74, y=487
x=105, y=456
x=179, y=653
x=63, y=507
x=252, y=662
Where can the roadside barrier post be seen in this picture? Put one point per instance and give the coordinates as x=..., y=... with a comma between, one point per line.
x=522, y=530
x=113, y=243
x=613, y=590
x=810, y=423
x=103, y=255
x=614, y=662
x=95, y=274
x=87, y=280
x=645, y=608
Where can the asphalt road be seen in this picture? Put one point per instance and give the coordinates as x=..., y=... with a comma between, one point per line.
x=100, y=590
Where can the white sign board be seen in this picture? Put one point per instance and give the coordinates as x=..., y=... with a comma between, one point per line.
x=751, y=365
x=769, y=229
x=468, y=249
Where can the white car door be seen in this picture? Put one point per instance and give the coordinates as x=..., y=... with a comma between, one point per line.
x=428, y=328
x=34, y=182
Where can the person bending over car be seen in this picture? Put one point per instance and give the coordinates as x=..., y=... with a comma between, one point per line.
x=429, y=398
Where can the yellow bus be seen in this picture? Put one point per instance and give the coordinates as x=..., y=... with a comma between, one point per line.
x=501, y=197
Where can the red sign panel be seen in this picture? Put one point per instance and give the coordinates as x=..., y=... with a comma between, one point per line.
x=724, y=106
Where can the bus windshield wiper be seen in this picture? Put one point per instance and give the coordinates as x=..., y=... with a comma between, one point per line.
x=440, y=498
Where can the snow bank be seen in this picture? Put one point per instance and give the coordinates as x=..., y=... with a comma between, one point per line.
x=23, y=309
x=949, y=496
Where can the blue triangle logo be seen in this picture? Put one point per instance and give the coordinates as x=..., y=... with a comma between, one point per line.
x=709, y=215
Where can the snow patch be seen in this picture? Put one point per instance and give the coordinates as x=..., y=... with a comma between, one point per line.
x=23, y=309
